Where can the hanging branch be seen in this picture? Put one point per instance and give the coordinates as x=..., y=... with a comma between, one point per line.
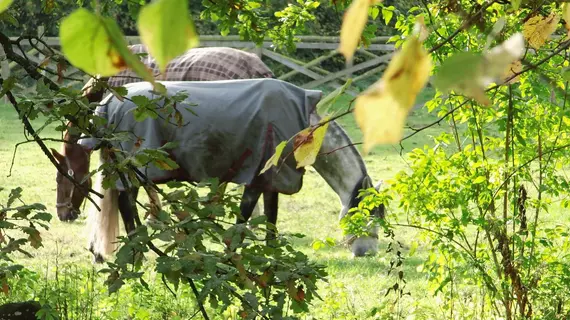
x=83, y=189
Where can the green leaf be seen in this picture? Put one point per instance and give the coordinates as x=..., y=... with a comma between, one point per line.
x=130, y=58
x=6, y=16
x=413, y=247
x=479, y=179
x=140, y=101
x=318, y=244
x=253, y=4
x=312, y=4
x=140, y=114
x=166, y=29
x=566, y=74
x=15, y=193
x=4, y=4
x=258, y=220
x=387, y=15
x=274, y=160
x=96, y=45
x=44, y=216
x=374, y=12
x=170, y=145
x=443, y=284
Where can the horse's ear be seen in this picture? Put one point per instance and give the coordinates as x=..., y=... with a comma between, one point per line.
x=379, y=185
x=58, y=156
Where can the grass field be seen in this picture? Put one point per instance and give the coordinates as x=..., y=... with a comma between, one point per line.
x=355, y=286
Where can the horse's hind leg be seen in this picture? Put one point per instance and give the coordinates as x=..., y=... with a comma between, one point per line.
x=127, y=211
x=248, y=203
x=271, y=205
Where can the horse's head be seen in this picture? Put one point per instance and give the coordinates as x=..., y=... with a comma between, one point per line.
x=74, y=161
x=367, y=244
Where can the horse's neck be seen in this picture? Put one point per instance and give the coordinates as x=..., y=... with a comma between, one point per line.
x=340, y=164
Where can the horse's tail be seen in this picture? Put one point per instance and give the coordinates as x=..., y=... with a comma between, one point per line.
x=104, y=224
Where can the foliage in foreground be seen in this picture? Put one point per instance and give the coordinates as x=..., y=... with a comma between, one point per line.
x=482, y=195
x=479, y=196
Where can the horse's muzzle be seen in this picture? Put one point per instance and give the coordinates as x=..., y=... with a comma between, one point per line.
x=67, y=214
x=364, y=246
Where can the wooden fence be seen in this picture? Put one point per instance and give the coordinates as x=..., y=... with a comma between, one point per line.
x=377, y=54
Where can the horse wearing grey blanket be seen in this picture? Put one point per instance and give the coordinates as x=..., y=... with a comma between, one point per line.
x=231, y=131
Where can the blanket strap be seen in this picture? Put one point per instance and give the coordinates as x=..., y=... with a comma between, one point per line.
x=233, y=170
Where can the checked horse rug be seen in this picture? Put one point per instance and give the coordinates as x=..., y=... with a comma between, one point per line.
x=231, y=131
x=197, y=64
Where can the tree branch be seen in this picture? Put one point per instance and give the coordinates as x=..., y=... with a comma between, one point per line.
x=464, y=26
x=46, y=151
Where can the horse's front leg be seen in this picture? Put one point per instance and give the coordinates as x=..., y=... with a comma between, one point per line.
x=248, y=202
x=128, y=211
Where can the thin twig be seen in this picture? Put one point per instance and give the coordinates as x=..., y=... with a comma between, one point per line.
x=438, y=121
x=340, y=148
x=24, y=142
x=464, y=26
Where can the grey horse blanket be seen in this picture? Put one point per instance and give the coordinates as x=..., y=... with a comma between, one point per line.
x=231, y=132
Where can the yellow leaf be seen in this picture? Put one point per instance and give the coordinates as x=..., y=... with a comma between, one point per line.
x=537, y=29
x=164, y=165
x=513, y=69
x=274, y=160
x=308, y=143
x=353, y=24
x=380, y=118
x=382, y=109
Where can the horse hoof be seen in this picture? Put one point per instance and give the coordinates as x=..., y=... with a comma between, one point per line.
x=98, y=258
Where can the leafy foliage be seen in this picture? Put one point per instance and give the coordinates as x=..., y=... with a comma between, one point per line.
x=478, y=198
x=20, y=225
x=229, y=263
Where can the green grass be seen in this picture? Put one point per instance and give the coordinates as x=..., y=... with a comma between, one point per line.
x=355, y=286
